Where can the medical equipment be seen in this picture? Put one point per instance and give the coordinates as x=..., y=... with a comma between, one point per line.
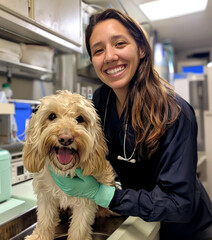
x=130, y=159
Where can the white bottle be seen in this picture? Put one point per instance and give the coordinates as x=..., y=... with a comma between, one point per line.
x=9, y=94
x=8, y=91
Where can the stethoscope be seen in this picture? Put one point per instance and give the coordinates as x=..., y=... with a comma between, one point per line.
x=130, y=159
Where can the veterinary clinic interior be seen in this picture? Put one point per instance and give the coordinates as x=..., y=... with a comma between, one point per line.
x=42, y=50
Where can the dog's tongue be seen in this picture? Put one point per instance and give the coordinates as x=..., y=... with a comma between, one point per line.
x=64, y=155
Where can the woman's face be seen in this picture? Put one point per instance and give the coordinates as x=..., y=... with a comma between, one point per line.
x=115, y=54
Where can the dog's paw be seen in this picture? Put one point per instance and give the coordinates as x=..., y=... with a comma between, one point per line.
x=38, y=237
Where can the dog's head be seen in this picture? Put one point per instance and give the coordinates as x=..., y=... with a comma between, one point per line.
x=65, y=132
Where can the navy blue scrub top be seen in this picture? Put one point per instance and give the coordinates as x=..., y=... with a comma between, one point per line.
x=165, y=187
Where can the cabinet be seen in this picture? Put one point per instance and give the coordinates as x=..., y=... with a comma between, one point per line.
x=55, y=23
x=19, y=6
x=61, y=17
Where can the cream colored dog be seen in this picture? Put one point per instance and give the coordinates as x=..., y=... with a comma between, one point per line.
x=65, y=133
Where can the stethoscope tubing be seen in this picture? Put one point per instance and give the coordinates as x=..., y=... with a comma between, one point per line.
x=130, y=159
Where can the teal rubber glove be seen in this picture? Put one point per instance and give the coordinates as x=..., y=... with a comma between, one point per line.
x=85, y=187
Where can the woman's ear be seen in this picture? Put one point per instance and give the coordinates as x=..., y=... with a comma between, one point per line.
x=142, y=53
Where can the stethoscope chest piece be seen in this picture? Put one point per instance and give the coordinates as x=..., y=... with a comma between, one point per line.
x=126, y=159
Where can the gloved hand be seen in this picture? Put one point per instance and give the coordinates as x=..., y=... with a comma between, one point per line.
x=85, y=187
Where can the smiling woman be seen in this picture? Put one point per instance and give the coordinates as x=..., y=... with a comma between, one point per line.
x=151, y=133
x=115, y=57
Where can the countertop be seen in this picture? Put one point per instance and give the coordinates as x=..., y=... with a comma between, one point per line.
x=113, y=228
x=23, y=202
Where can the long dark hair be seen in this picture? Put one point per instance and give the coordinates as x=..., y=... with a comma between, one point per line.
x=150, y=100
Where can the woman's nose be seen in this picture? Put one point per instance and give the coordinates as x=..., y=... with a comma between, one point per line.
x=110, y=55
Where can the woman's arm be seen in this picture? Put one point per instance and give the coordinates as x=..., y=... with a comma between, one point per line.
x=173, y=197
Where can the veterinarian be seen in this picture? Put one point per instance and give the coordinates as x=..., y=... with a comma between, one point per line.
x=151, y=134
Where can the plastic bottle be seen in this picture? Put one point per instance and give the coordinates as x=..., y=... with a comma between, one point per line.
x=8, y=91
x=13, y=125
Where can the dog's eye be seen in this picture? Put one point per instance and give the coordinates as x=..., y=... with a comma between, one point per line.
x=52, y=116
x=80, y=119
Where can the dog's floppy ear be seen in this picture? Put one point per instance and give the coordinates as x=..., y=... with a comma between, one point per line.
x=97, y=163
x=32, y=158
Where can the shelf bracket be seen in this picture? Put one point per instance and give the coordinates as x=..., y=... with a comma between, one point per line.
x=9, y=75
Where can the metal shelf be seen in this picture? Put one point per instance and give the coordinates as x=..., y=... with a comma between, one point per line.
x=25, y=70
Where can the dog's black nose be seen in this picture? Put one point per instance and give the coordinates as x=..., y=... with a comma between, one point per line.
x=66, y=139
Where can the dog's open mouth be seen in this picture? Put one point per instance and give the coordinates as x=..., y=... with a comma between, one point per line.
x=64, y=155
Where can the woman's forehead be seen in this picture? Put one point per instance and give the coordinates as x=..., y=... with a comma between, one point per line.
x=111, y=27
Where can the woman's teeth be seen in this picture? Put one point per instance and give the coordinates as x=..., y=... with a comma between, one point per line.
x=115, y=70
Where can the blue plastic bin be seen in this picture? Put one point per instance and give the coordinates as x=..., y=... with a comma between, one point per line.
x=22, y=114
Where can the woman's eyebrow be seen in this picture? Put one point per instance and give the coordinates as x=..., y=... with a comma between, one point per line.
x=95, y=44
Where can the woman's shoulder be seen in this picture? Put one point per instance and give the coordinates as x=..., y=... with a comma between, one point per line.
x=101, y=92
x=186, y=109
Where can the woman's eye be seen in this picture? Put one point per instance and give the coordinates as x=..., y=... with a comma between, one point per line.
x=120, y=44
x=52, y=116
x=98, y=51
x=80, y=119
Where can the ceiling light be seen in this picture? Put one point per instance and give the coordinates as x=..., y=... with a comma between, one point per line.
x=163, y=9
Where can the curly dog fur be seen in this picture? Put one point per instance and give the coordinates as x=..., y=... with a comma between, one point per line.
x=65, y=133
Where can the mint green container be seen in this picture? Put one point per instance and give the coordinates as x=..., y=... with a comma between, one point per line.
x=5, y=175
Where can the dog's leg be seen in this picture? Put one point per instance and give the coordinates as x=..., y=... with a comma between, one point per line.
x=82, y=219
x=47, y=218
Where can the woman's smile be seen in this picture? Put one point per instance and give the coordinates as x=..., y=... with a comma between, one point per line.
x=114, y=71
